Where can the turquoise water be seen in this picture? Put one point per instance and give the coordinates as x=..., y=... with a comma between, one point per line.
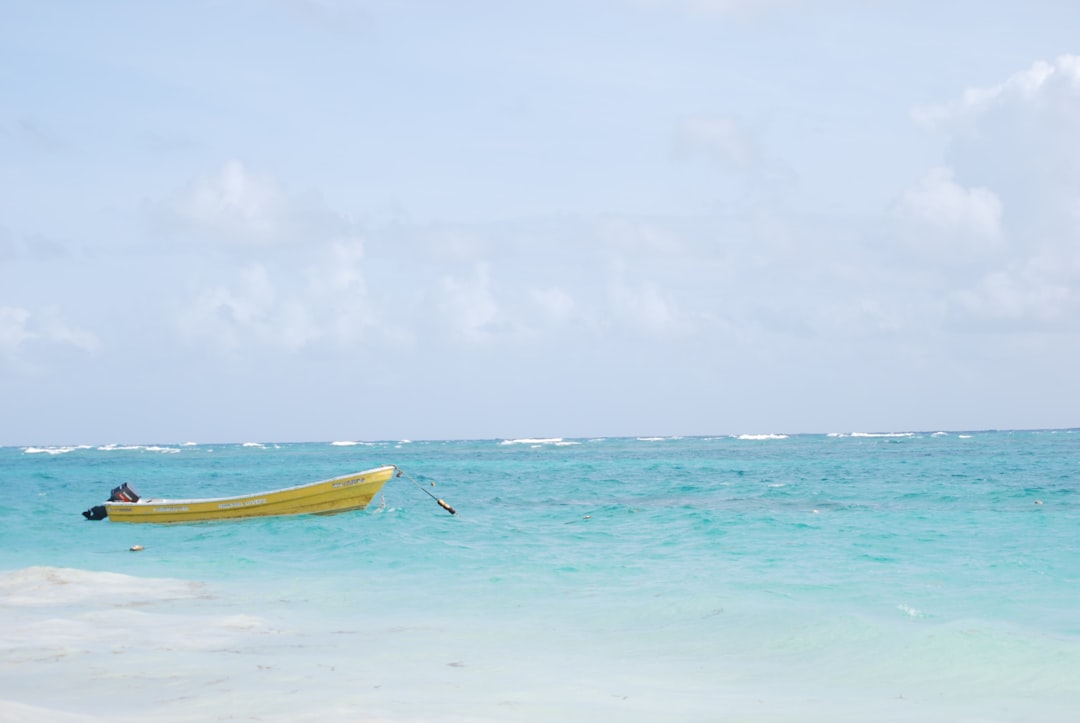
x=840, y=577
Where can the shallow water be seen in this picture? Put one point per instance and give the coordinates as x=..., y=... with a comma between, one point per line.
x=900, y=577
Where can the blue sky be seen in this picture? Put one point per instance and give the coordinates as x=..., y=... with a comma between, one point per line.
x=355, y=219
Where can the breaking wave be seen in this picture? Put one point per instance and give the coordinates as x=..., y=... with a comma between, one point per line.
x=533, y=441
x=761, y=436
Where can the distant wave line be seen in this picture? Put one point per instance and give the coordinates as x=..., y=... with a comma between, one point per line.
x=102, y=448
x=761, y=437
x=532, y=440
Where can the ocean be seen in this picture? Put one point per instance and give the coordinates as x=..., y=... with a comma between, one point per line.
x=845, y=577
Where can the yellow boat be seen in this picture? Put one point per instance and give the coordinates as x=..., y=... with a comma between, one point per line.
x=340, y=494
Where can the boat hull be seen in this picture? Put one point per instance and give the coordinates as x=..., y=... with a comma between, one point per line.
x=340, y=494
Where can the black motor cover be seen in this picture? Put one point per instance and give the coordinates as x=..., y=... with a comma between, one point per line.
x=124, y=493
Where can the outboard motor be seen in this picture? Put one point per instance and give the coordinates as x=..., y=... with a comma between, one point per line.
x=123, y=493
x=97, y=512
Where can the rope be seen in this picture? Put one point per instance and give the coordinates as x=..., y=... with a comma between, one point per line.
x=448, y=508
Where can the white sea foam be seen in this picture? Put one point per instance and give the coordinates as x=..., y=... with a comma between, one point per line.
x=137, y=448
x=653, y=439
x=344, y=443
x=54, y=450
x=883, y=434
x=260, y=445
x=53, y=586
x=964, y=436
x=762, y=436
x=910, y=611
x=533, y=441
x=74, y=641
x=13, y=712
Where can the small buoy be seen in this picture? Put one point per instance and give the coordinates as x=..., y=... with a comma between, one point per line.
x=1038, y=502
x=587, y=517
x=817, y=512
x=136, y=548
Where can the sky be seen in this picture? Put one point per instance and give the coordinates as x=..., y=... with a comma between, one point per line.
x=309, y=220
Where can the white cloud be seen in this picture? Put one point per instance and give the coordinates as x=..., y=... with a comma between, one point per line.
x=235, y=205
x=13, y=331
x=56, y=330
x=938, y=200
x=468, y=305
x=1021, y=87
x=338, y=288
x=227, y=316
x=290, y=307
x=343, y=272
x=1010, y=232
x=20, y=330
